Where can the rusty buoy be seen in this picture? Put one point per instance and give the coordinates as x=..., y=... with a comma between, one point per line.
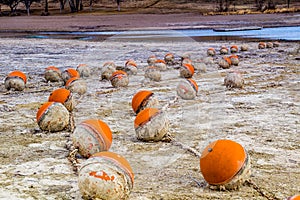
x=130, y=67
x=211, y=52
x=92, y=136
x=83, y=70
x=53, y=117
x=53, y=74
x=106, y=176
x=76, y=85
x=234, y=59
x=151, y=124
x=186, y=71
x=262, y=45
x=169, y=59
x=69, y=73
x=119, y=79
x=187, y=89
x=15, y=80
x=234, y=49
x=225, y=164
x=223, y=50
x=143, y=99
x=225, y=62
x=63, y=96
x=161, y=65
x=244, y=47
x=151, y=60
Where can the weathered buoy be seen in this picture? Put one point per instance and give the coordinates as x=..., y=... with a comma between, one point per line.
x=186, y=55
x=187, y=89
x=211, y=52
x=119, y=79
x=76, y=85
x=151, y=124
x=143, y=99
x=262, y=45
x=161, y=65
x=52, y=74
x=186, y=61
x=107, y=70
x=153, y=73
x=92, y=136
x=83, y=70
x=225, y=62
x=130, y=67
x=276, y=44
x=63, y=96
x=223, y=50
x=244, y=47
x=269, y=45
x=295, y=197
x=186, y=71
x=225, y=164
x=169, y=59
x=15, y=80
x=234, y=80
x=106, y=176
x=151, y=60
x=234, y=59
x=53, y=117
x=69, y=73
x=234, y=49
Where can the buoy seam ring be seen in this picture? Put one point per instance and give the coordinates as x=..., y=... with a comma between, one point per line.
x=42, y=117
x=144, y=102
x=119, y=76
x=12, y=77
x=237, y=173
x=194, y=87
x=98, y=137
x=127, y=173
x=68, y=83
x=145, y=122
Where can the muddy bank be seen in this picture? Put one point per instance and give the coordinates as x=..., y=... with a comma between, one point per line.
x=263, y=117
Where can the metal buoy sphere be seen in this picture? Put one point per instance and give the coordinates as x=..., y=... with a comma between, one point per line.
x=15, y=80
x=76, y=85
x=92, y=136
x=107, y=70
x=63, y=96
x=69, y=73
x=53, y=74
x=225, y=164
x=119, y=79
x=234, y=80
x=83, y=70
x=106, y=176
x=186, y=71
x=153, y=73
x=187, y=89
x=143, y=99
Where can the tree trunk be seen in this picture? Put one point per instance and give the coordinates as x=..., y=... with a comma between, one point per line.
x=288, y=3
x=46, y=6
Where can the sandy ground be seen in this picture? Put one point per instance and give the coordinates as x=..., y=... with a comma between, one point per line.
x=263, y=117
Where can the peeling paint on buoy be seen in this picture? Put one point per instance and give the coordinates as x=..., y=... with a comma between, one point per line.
x=169, y=59
x=106, y=176
x=161, y=65
x=53, y=74
x=84, y=70
x=92, y=136
x=53, y=117
x=211, y=52
x=234, y=49
x=76, y=85
x=234, y=59
x=223, y=50
x=69, y=73
x=262, y=45
x=186, y=71
x=225, y=62
x=63, y=96
x=225, y=164
x=130, y=67
x=269, y=45
x=244, y=47
x=143, y=99
x=151, y=60
x=15, y=80
x=119, y=79
x=187, y=89
x=295, y=197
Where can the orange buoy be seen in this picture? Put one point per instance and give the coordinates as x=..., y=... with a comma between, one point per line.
x=295, y=197
x=225, y=62
x=63, y=96
x=76, y=85
x=186, y=71
x=92, y=136
x=187, y=89
x=130, y=67
x=143, y=99
x=52, y=74
x=225, y=164
x=234, y=49
x=105, y=175
x=262, y=45
x=151, y=60
x=69, y=73
x=169, y=59
x=53, y=117
x=119, y=79
x=83, y=70
x=15, y=80
x=223, y=50
x=151, y=124
x=234, y=59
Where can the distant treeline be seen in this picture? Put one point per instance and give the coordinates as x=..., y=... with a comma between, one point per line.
x=78, y=5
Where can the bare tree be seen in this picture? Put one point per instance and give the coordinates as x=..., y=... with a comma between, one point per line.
x=12, y=4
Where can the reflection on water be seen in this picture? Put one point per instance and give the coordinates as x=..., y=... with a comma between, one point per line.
x=278, y=33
